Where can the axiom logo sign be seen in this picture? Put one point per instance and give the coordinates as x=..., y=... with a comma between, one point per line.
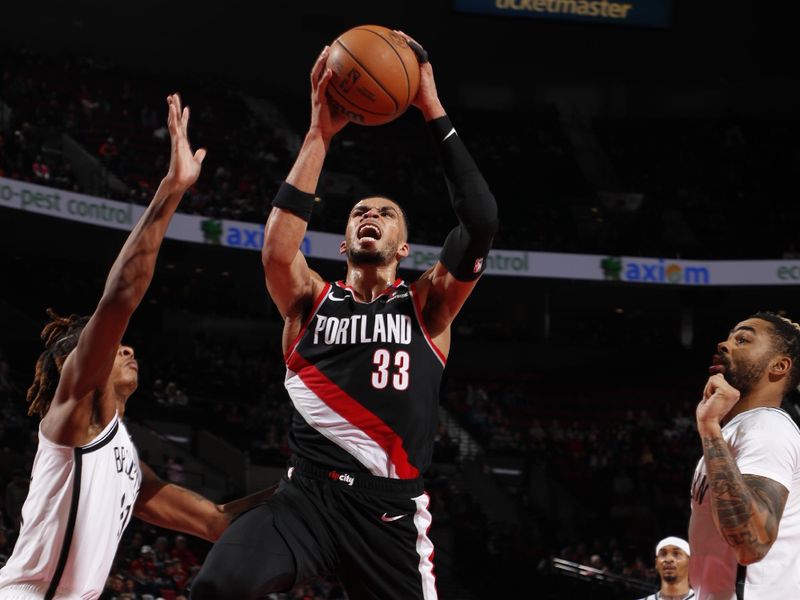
x=248, y=235
x=343, y=477
x=653, y=271
x=789, y=272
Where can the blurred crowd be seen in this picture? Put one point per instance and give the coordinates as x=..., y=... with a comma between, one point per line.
x=664, y=187
x=617, y=467
x=152, y=564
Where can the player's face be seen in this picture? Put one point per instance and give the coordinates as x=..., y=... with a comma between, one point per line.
x=376, y=232
x=125, y=373
x=672, y=564
x=744, y=357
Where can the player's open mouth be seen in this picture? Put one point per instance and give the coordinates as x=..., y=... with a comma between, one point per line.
x=369, y=232
x=718, y=364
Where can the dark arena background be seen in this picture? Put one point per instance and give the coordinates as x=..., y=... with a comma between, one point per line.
x=645, y=167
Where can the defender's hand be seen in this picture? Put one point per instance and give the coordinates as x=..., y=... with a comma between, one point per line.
x=427, y=98
x=719, y=397
x=324, y=118
x=184, y=165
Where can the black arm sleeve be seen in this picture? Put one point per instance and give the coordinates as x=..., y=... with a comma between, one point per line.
x=467, y=246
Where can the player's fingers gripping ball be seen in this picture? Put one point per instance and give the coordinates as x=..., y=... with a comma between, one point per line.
x=375, y=74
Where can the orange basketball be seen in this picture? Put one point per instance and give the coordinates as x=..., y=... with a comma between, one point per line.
x=375, y=75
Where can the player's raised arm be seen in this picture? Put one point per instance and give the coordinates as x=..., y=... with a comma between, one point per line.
x=446, y=286
x=291, y=284
x=88, y=367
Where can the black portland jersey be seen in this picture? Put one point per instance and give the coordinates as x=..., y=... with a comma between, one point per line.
x=364, y=381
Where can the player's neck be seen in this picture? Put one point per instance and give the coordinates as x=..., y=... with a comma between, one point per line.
x=369, y=281
x=114, y=400
x=121, y=407
x=754, y=399
x=673, y=591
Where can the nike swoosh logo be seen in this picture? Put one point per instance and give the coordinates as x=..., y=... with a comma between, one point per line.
x=452, y=132
x=386, y=519
x=334, y=298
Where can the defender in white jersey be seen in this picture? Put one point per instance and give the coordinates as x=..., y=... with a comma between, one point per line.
x=87, y=479
x=745, y=524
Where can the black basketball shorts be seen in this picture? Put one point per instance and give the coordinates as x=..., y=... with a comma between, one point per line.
x=372, y=532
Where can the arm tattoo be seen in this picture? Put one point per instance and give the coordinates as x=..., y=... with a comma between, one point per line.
x=746, y=508
x=193, y=495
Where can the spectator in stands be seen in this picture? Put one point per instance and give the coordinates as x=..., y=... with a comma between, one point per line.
x=672, y=564
x=175, y=396
x=134, y=549
x=130, y=590
x=40, y=169
x=160, y=552
x=182, y=553
x=144, y=568
x=109, y=152
x=176, y=573
x=115, y=588
x=159, y=394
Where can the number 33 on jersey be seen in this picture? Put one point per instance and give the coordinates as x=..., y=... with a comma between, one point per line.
x=364, y=380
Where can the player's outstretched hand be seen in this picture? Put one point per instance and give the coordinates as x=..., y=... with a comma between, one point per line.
x=184, y=165
x=719, y=397
x=427, y=99
x=324, y=118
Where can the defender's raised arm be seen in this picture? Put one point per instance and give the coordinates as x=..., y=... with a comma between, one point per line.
x=88, y=367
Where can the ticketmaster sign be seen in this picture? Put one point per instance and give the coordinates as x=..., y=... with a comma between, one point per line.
x=643, y=13
x=91, y=210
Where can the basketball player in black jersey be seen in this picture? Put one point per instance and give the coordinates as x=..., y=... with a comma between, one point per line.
x=364, y=361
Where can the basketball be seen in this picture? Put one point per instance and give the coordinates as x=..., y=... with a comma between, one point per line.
x=375, y=75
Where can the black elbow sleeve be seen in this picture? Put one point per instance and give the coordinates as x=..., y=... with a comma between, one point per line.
x=466, y=248
x=465, y=251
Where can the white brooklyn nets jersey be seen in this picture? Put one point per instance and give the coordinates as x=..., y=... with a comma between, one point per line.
x=79, y=503
x=657, y=596
x=765, y=442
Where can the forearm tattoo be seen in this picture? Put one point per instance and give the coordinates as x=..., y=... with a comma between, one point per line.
x=746, y=508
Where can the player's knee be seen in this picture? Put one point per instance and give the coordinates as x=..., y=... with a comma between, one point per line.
x=218, y=586
x=209, y=587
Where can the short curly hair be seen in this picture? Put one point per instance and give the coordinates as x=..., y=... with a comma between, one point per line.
x=786, y=338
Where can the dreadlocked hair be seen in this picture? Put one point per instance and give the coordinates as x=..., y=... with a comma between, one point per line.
x=60, y=337
x=786, y=335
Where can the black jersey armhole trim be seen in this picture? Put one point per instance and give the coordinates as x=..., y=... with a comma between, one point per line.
x=318, y=302
x=741, y=578
x=96, y=445
x=73, y=515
